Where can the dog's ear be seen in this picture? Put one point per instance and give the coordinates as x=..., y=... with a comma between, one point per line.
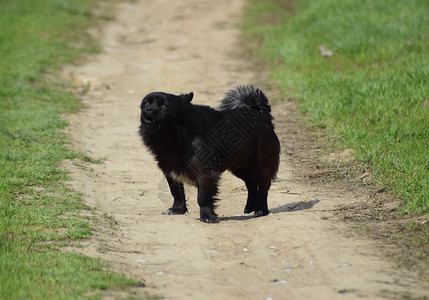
x=187, y=97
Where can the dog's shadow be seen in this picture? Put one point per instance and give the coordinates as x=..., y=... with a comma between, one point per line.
x=290, y=207
x=295, y=206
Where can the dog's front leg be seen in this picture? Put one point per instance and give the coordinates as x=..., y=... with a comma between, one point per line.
x=178, y=193
x=206, y=203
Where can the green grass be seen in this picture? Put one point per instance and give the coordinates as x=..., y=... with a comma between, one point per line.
x=38, y=213
x=372, y=95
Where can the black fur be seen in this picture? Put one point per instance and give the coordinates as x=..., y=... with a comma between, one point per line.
x=197, y=143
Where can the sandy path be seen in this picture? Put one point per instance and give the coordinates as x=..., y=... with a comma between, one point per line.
x=297, y=252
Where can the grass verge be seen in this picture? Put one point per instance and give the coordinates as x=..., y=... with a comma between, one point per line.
x=360, y=69
x=38, y=213
x=366, y=89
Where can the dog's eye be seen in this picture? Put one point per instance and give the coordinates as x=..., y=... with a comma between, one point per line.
x=146, y=104
x=164, y=106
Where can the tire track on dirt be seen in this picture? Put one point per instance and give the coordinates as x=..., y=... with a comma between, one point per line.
x=297, y=252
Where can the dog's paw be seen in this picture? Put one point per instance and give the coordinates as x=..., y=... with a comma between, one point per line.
x=248, y=210
x=208, y=215
x=260, y=213
x=177, y=210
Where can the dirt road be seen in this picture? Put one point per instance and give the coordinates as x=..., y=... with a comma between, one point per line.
x=296, y=252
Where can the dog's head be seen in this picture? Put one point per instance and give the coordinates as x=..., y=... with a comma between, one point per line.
x=160, y=109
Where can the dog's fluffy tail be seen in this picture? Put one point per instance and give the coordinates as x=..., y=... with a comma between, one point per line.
x=248, y=98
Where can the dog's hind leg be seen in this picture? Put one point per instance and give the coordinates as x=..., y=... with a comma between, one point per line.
x=261, y=208
x=245, y=174
x=252, y=197
x=264, y=183
x=268, y=157
x=206, y=202
x=178, y=192
x=257, y=199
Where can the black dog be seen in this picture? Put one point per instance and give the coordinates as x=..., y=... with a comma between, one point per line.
x=197, y=143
